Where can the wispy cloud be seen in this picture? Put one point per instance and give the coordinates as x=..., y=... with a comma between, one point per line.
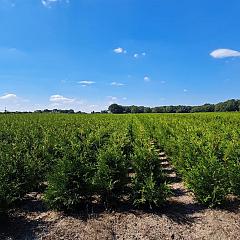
x=112, y=98
x=147, y=79
x=11, y=52
x=61, y=99
x=185, y=90
x=9, y=96
x=85, y=83
x=117, y=84
x=49, y=3
x=224, y=53
x=120, y=50
x=138, y=55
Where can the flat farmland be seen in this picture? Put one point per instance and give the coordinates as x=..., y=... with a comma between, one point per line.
x=126, y=176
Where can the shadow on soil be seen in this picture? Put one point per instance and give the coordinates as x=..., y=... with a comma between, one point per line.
x=16, y=226
x=178, y=212
x=19, y=228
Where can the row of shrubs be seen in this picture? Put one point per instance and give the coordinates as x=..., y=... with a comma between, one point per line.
x=79, y=158
x=205, y=150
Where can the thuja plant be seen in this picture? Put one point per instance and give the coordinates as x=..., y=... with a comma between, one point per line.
x=70, y=185
x=111, y=172
x=113, y=162
x=209, y=181
x=232, y=162
x=16, y=175
x=148, y=185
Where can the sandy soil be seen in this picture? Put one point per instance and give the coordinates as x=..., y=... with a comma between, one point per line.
x=180, y=218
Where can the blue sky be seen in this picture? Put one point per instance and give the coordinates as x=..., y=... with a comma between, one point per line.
x=87, y=54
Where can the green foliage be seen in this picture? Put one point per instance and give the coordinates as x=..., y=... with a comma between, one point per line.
x=232, y=159
x=17, y=176
x=11, y=184
x=69, y=185
x=80, y=156
x=148, y=191
x=205, y=150
x=115, y=108
x=149, y=188
x=209, y=182
x=111, y=172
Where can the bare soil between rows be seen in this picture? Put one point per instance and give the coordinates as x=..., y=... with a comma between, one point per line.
x=180, y=218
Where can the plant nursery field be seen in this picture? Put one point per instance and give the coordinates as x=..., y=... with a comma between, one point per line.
x=85, y=163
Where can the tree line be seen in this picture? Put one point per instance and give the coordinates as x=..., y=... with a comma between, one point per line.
x=232, y=105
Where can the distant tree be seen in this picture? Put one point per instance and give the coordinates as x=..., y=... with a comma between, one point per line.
x=238, y=103
x=147, y=110
x=115, y=108
x=170, y=109
x=127, y=109
x=183, y=109
x=47, y=111
x=204, y=108
x=159, y=109
x=141, y=109
x=104, y=111
x=38, y=111
x=134, y=109
x=228, y=106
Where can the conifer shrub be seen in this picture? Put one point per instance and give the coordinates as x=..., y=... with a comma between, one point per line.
x=148, y=185
x=111, y=172
x=70, y=184
x=209, y=181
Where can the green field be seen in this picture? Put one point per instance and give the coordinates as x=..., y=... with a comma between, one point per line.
x=77, y=159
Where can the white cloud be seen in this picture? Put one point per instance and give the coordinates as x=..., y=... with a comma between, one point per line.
x=112, y=98
x=136, y=55
x=147, y=79
x=224, y=53
x=120, y=50
x=49, y=3
x=117, y=84
x=86, y=83
x=61, y=99
x=185, y=90
x=9, y=96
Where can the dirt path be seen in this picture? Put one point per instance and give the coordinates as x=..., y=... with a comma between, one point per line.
x=181, y=194
x=181, y=218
